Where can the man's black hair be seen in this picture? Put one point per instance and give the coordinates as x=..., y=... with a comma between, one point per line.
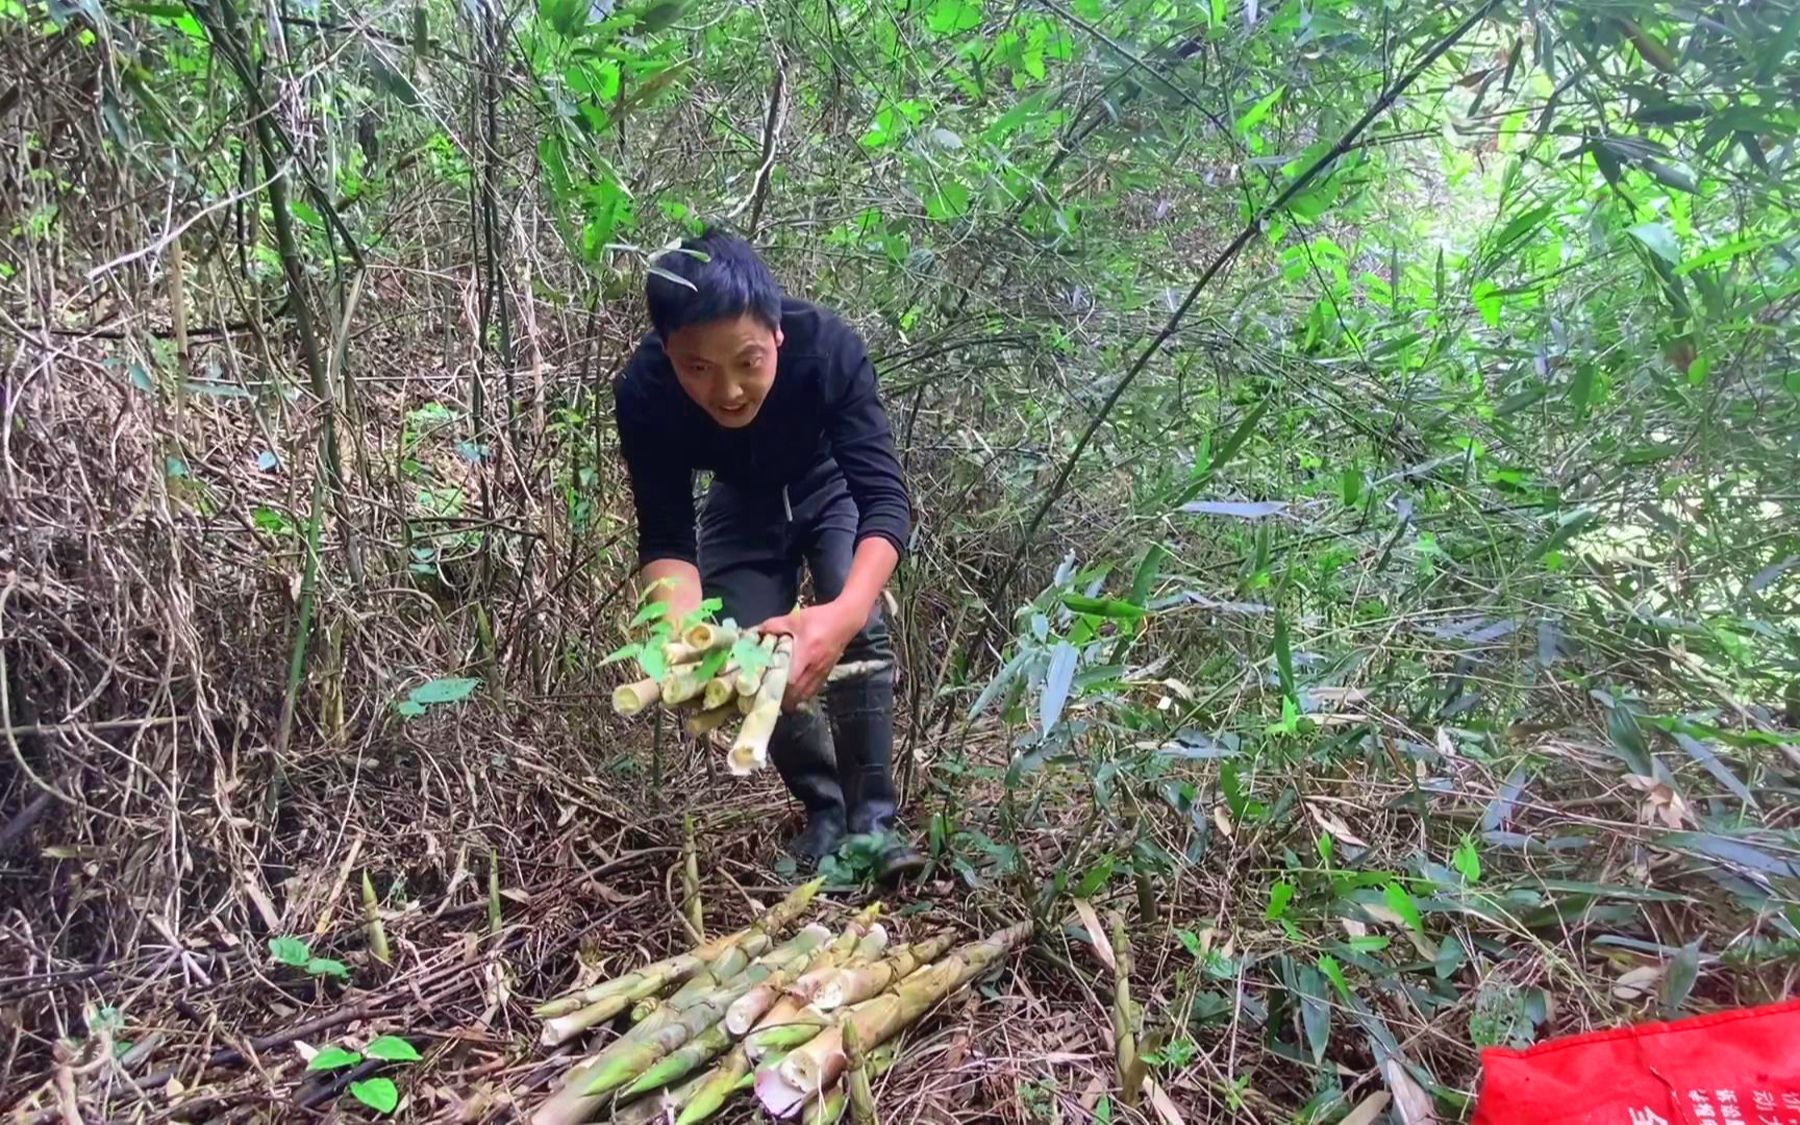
x=728, y=282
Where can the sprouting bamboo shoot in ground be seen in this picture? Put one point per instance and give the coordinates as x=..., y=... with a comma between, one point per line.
x=378, y=943
x=1123, y=1022
x=692, y=908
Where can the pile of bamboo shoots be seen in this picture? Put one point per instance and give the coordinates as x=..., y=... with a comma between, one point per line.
x=753, y=1012
x=716, y=674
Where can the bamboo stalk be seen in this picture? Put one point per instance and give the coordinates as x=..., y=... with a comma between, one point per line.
x=706, y=636
x=717, y=692
x=670, y=970
x=856, y=1081
x=748, y=682
x=856, y=983
x=629, y=699
x=751, y=750
x=818, y=1063
x=378, y=943
x=705, y=722
x=868, y=949
x=682, y=684
x=716, y=1086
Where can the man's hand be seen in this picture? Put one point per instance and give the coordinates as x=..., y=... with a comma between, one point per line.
x=820, y=634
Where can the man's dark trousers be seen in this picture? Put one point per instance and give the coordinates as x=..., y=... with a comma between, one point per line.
x=752, y=543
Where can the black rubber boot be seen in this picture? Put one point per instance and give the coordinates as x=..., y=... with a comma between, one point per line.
x=802, y=756
x=862, y=727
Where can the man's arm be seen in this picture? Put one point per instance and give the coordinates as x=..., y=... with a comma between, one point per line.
x=663, y=498
x=673, y=582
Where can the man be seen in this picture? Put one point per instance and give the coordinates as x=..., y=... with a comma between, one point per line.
x=776, y=397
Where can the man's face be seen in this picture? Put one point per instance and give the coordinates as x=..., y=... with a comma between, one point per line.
x=726, y=366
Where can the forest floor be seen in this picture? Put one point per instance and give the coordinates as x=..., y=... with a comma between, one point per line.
x=587, y=887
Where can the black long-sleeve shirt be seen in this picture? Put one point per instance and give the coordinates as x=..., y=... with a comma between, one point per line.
x=821, y=404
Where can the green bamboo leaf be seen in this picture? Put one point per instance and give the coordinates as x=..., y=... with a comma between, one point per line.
x=1402, y=903
x=1096, y=877
x=326, y=967
x=392, y=1048
x=1280, y=895
x=333, y=1058
x=1660, y=239
x=647, y=613
x=444, y=690
x=1315, y=1014
x=1057, y=681
x=567, y=17
x=1467, y=861
x=1678, y=982
x=1328, y=965
x=379, y=1094
x=1703, y=754
x=711, y=663
x=1284, y=657
x=653, y=661
x=1571, y=526
x=1145, y=577
x=1254, y=115
x=290, y=950
x=1239, y=436
x=1104, y=607
x=626, y=653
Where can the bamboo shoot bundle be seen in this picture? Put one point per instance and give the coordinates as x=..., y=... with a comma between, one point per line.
x=683, y=684
x=603, y=1001
x=733, y=685
x=670, y=1028
x=817, y=1064
x=720, y=1037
